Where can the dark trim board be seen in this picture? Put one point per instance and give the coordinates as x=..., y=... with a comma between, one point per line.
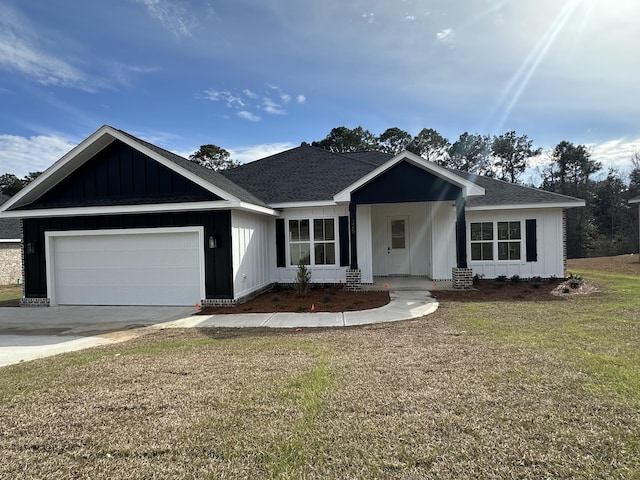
x=218, y=261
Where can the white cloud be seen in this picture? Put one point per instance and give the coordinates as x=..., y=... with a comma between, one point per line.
x=272, y=107
x=256, y=152
x=249, y=116
x=409, y=18
x=446, y=37
x=248, y=99
x=368, y=17
x=21, y=155
x=231, y=99
x=173, y=17
x=21, y=51
x=615, y=153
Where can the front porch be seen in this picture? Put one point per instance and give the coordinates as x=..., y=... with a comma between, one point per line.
x=407, y=283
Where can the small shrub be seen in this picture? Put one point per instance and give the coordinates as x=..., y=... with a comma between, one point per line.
x=575, y=280
x=303, y=280
x=566, y=290
x=553, y=279
x=476, y=278
x=501, y=279
x=515, y=279
x=536, y=280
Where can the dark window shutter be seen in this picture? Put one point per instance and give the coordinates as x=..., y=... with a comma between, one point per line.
x=343, y=229
x=280, y=243
x=532, y=241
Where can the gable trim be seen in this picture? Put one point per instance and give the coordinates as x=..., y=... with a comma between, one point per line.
x=469, y=189
x=84, y=151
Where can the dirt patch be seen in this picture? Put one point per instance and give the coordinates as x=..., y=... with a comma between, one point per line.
x=493, y=291
x=317, y=300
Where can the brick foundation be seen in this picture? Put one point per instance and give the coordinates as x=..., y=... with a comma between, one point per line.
x=35, y=302
x=354, y=280
x=462, y=278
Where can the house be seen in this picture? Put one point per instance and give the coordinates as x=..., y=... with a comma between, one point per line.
x=119, y=221
x=10, y=249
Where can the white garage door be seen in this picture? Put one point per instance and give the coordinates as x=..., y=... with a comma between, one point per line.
x=123, y=268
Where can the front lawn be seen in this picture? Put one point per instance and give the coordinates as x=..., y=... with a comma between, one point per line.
x=544, y=389
x=10, y=295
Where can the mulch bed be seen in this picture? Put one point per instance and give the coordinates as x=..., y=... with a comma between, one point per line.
x=328, y=299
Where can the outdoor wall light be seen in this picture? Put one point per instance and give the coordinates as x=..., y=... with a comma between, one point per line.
x=213, y=242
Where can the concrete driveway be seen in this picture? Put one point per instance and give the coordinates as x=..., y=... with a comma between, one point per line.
x=30, y=333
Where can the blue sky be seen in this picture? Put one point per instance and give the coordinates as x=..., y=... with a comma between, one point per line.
x=259, y=76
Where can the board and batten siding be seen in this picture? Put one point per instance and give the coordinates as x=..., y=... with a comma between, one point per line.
x=250, y=252
x=549, y=260
x=319, y=273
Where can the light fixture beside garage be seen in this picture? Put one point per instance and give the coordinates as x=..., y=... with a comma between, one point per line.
x=213, y=241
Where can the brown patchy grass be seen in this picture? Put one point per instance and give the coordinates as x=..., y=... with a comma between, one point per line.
x=476, y=390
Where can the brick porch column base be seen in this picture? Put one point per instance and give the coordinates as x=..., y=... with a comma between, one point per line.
x=354, y=280
x=462, y=278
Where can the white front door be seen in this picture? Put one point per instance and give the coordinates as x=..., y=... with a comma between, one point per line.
x=398, y=245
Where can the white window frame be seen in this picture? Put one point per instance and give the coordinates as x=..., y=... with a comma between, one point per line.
x=495, y=241
x=312, y=242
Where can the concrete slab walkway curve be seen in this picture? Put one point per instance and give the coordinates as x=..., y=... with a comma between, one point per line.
x=30, y=333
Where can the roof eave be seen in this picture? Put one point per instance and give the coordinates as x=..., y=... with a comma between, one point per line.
x=133, y=209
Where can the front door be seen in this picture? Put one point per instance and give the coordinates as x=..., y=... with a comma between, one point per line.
x=398, y=245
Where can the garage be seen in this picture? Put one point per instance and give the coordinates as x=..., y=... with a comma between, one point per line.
x=156, y=266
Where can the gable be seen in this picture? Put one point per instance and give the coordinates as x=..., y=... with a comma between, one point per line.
x=405, y=182
x=119, y=175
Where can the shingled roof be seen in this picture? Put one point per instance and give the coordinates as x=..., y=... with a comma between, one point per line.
x=308, y=174
x=9, y=227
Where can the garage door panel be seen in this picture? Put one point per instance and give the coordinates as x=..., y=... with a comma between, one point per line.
x=149, y=268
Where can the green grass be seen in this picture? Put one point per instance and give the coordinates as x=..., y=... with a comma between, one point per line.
x=600, y=332
x=528, y=389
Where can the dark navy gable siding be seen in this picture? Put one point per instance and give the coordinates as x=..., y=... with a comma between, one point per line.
x=120, y=175
x=218, y=266
x=405, y=182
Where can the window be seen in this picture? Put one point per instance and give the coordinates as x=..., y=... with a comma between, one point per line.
x=312, y=247
x=482, y=241
x=324, y=242
x=506, y=240
x=299, y=242
x=509, y=236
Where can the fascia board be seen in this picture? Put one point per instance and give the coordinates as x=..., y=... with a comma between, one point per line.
x=528, y=206
x=323, y=203
x=145, y=208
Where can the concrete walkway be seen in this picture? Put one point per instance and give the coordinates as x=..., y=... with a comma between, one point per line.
x=30, y=333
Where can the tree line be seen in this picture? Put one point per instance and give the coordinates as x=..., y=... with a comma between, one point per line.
x=608, y=225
